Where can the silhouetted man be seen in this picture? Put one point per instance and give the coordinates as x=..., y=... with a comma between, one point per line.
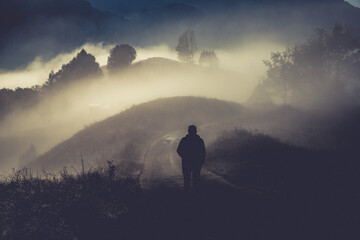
x=192, y=151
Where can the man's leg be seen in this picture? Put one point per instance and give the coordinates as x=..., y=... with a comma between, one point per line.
x=196, y=176
x=186, y=173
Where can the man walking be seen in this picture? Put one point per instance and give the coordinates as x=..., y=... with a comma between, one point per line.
x=192, y=151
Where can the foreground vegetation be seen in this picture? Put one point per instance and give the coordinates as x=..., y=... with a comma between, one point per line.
x=86, y=206
x=259, y=161
x=314, y=189
x=290, y=201
x=278, y=191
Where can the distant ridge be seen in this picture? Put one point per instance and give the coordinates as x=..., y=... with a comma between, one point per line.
x=157, y=61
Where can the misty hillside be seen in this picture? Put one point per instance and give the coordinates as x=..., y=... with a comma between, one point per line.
x=163, y=66
x=79, y=103
x=168, y=68
x=160, y=62
x=128, y=134
x=165, y=78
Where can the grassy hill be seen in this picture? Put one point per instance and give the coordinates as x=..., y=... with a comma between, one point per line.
x=56, y=117
x=125, y=137
x=316, y=190
x=128, y=134
x=278, y=191
x=259, y=161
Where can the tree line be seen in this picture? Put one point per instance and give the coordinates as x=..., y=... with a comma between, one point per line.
x=187, y=47
x=84, y=66
x=81, y=67
x=323, y=70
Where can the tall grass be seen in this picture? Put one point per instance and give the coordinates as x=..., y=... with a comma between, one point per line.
x=92, y=205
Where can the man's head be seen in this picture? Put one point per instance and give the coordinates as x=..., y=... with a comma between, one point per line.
x=192, y=129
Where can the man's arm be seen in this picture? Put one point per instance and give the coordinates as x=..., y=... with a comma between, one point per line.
x=203, y=152
x=179, y=149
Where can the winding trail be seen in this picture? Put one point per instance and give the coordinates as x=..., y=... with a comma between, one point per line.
x=219, y=210
x=162, y=165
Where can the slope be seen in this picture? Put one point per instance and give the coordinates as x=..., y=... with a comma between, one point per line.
x=125, y=137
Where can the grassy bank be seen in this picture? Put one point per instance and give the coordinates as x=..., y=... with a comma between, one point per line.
x=85, y=206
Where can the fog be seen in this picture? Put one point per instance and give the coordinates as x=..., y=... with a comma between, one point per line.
x=37, y=72
x=246, y=59
x=91, y=138
x=241, y=39
x=60, y=115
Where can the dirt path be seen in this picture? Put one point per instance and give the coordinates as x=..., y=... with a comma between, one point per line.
x=218, y=210
x=162, y=165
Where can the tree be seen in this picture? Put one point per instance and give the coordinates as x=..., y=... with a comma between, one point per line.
x=82, y=66
x=209, y=58
x=186, y=47
x=120, y=56
x=20, y=98
x=279, y=74
x=325, y=69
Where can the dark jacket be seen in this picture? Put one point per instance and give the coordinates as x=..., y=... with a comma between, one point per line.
x=192, y=148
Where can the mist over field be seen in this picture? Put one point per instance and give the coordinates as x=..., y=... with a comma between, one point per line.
x=72, y=108
x=246, y=59
x=242, y=36
x=96, y=95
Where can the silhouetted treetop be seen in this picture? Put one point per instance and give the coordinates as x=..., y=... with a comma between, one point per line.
x=20, y=98
x=82, y=66
x=121, y=56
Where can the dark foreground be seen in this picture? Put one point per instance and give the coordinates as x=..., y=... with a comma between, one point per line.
x=96, y=206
